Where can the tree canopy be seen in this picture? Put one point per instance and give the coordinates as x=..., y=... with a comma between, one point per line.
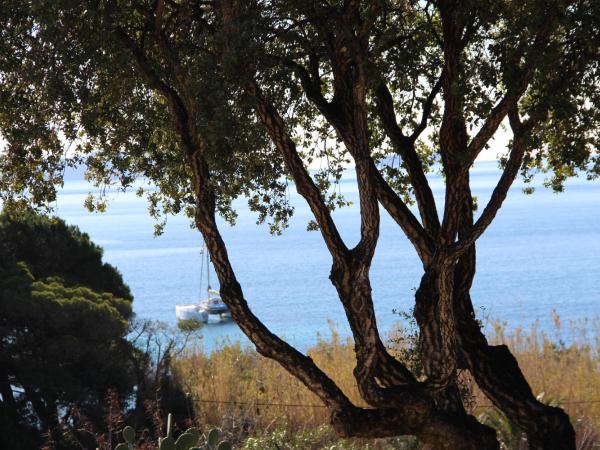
x=212, y=100
x=63, y=321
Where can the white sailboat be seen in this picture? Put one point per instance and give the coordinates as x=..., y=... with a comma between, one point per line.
x=212, y=307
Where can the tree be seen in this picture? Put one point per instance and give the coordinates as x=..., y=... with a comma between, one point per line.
x=216, y=99
x=63, y=324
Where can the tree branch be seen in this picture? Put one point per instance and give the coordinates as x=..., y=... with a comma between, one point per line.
x=354, y=290
x=350, y=267
x=405, y=147
x=436, y=430
x=304, y=183
x=403, y=216
x=500, y=192
x=434, y=309
x=348, y=115
x=518, y=86
x=385, y=194
x=427, y=105
x=267, y=343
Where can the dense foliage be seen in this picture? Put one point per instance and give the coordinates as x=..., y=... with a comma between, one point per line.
x=70, y=92
x=63, y=322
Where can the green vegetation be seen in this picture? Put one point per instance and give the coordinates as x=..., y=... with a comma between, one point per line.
x=257, y=404
x=63, y=324
x=74, y=365
x=188, y=440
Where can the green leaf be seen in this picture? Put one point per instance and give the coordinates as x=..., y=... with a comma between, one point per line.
x=213, y=437
x=185, y=441
x=129, y=434
x=194, y=432
x=167, y=443
x=224, y=446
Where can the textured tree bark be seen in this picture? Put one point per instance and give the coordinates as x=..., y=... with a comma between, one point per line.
x=497, y=373
x=437, y=431
x=495, y=370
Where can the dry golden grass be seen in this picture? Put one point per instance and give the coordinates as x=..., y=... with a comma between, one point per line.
x=241, y=388
x=568, y=375
x=233, y=387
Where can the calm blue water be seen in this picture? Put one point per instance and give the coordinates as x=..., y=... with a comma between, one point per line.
x=541, y=253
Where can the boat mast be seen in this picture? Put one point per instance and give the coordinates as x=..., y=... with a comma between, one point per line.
x=201, y=271
x=207, y=272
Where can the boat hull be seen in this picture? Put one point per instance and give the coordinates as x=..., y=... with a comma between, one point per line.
x=190, y=312
x=202, y=313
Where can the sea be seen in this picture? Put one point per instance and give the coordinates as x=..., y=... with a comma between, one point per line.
x=539, y=259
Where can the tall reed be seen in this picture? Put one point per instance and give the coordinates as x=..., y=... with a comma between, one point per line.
x=239, y=390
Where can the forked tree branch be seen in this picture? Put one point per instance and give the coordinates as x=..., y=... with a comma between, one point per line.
x=333, y=113
x=405, y=147
x=385, y=194
x=350, y=267
x=518, y=85
x=353, y=265
x=348, y=115
x=500, y=192
x=305, y=185
x=357, y=303
x=434, y=309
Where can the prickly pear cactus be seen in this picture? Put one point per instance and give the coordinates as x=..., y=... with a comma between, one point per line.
x=212, y=441
x=186, y=441
x=129, y=436
x=167, y=443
